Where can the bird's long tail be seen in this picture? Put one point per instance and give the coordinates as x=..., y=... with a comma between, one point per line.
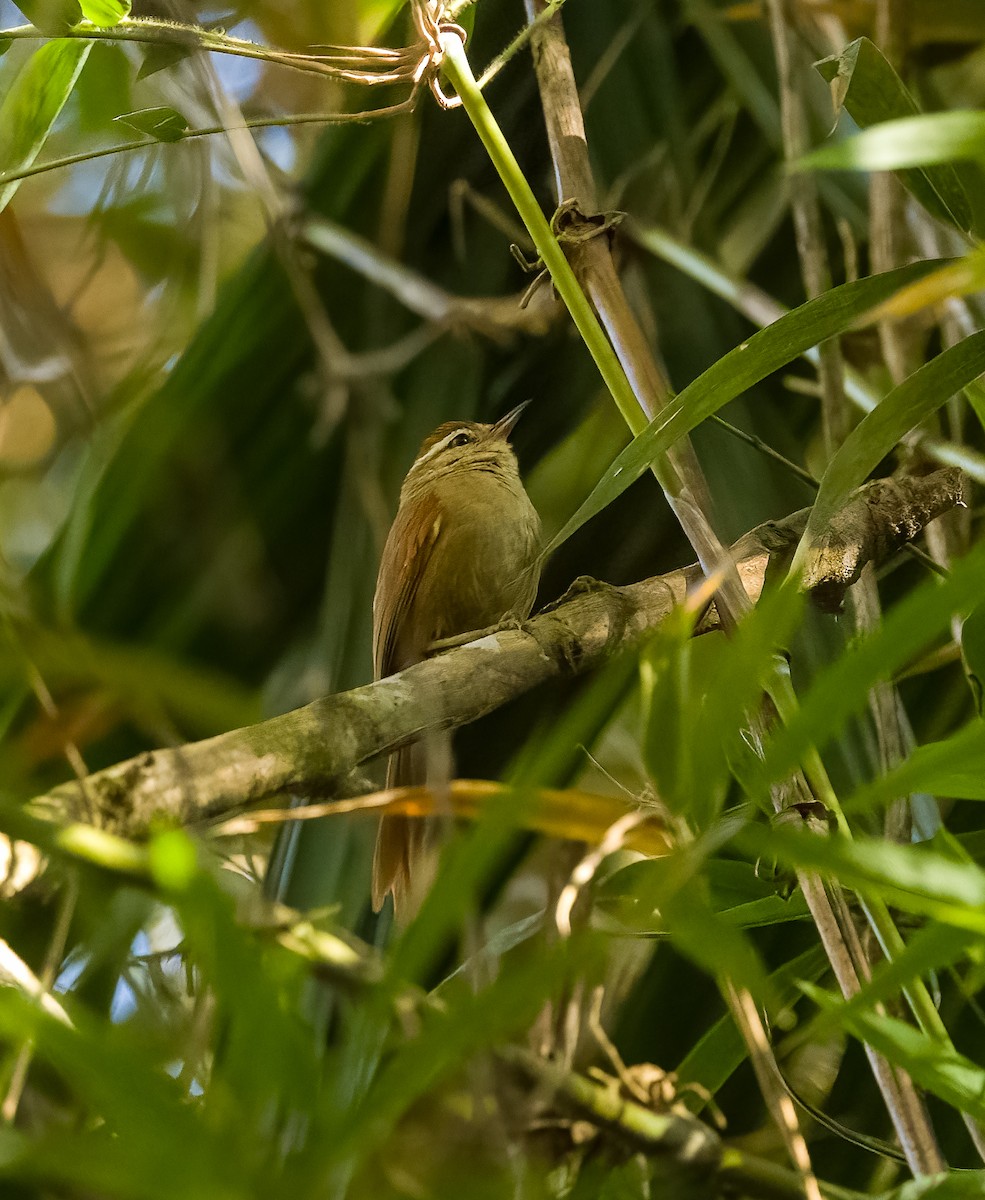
x=404, y=861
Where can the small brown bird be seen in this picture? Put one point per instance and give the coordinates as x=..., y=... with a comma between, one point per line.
x=461, y=555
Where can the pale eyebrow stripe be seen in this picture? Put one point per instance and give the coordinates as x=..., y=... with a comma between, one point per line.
x=438, y=446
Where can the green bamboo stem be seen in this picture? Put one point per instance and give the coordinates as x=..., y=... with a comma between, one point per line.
x=456, y=67
x=780, y=688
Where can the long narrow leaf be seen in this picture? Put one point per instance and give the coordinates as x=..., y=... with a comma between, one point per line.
x=865, y=84
x=913, y=877
x=32, y=104
x=843, y=687
x=954, y=767
x=939, y=1069
x=746, y=365
x=905, y=407
x=920, y=141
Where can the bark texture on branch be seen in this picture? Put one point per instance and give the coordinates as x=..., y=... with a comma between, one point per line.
x=860, y=533
x=312, y=750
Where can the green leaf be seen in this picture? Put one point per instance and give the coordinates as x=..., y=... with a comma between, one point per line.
x=32, y=104
x=103, y=90
x=717, y=946
x=172, y=859
x=160, y=57
x=975, y=395
x=931, y=23
x=940, y=1069
x=721, y=1051
x=626, y=899
x=843, y=686
x=879, y=431
x=115, y=1073
x=670, y=895
x=266, y=1048
x=448, y=1036
x=744, y=73
x=53, y=17
x=968, y=1185
x=921, y=141
x=929, y=951
x=142, y=679
x=666, y=682
x=696, y=698
x=864, y=83
x=105, y=13
x=748, y=364
x=954, y=767
x=165, y=124
x=913, y=877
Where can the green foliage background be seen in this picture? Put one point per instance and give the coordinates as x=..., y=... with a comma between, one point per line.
x=193, y=498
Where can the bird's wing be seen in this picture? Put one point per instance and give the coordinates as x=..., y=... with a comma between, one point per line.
x=409, y=546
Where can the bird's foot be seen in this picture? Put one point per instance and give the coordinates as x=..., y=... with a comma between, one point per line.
x=509, y=622
x=584, y=585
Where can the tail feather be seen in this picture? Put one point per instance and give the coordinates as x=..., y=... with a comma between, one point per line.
x=401, y=841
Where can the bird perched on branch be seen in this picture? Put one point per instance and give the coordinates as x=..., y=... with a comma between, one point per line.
x=462, y=554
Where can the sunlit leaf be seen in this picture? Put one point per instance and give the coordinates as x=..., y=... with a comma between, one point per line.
x=172, y=859
x=920, y=141
x=960, y=278
x=105, y=13
x=32, y=104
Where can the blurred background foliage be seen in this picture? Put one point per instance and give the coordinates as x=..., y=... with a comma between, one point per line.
x=210, y=389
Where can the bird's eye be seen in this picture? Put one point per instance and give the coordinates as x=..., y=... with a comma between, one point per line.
x=460, y=439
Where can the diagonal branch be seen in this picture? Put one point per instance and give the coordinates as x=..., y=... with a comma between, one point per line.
x=313, y=750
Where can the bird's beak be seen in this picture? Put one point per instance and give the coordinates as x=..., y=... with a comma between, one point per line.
x=504, y=426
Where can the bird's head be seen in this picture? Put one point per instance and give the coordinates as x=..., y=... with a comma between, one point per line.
x=458, y=445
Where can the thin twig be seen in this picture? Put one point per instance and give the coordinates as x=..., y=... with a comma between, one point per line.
x=313, y=118
x=370, y=65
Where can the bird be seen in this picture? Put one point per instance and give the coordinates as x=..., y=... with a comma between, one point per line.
x=462, y=554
